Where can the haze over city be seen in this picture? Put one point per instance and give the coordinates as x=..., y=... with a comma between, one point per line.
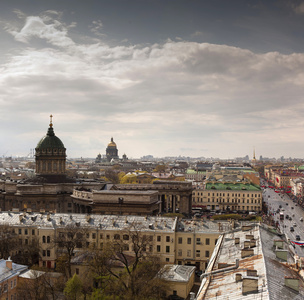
x=167, y=78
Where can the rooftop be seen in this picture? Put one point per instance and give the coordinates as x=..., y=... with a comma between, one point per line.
x=237, y=186
x=235, y=267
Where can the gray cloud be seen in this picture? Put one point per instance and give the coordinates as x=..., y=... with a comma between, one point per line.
x=170, y=98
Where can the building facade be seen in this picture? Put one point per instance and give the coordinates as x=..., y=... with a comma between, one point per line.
x=183, y=242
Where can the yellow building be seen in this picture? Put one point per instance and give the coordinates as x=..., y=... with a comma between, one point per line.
x=228, y=196
x=183, y=242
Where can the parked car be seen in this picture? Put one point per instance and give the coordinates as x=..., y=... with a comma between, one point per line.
x=301, y=219
x=294, y=224
x=298, y=237
x=291, y=229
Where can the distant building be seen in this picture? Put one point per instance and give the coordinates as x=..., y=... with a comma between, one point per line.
x=112, y=151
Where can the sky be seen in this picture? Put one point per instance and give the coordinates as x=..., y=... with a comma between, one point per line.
x=190, y=78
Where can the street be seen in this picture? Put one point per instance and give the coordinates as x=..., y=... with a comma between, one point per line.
x=289, y=208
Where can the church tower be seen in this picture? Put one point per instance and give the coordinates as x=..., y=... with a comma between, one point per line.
x=51, y=157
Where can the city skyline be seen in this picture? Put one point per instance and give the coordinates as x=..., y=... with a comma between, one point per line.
x=182, y=78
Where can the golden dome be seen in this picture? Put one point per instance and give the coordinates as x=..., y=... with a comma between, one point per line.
x=112, y=143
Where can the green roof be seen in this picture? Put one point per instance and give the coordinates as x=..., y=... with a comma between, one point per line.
x=191, y=171
x=231, y=186
x=50, y=141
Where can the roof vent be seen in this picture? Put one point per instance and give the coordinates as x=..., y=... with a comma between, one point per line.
x=238, y=277
x=252, y=273
x=292, y=282
x=250, y=285
x=246, y=252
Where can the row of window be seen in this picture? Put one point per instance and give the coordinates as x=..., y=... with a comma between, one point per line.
x=229, y=195
x=198, y=241
x=197, y=253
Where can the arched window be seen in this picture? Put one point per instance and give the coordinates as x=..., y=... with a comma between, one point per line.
x=43, y=239
x=48, y=239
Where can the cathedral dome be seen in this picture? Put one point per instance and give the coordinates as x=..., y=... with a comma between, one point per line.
x=50, y=141
x=112, y=143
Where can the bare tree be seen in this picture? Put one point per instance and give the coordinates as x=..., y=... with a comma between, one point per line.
x=126, y=267
x=67, y=240
x=27, y=252
x=8, y=241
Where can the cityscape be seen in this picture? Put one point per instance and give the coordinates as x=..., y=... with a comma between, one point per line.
x=151, y=150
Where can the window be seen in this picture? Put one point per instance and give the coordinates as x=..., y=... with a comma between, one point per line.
x=125, y=237
x=94, y=236
x=167, y=249
x=179, y=252
x=189, y=241
x=43, y=253
x=25, y=231
x=116, y=237
x=108, y=236
x=207, y=241
x=12, y=284
x=188, y=253
x=158, y=248
x=180, y=240
x=88, y=235
x=33, y=231
x=158, y=238
x=198, y=253
x=48, y=239
x=43, y=239
x=207, y=253
x=167, y=259
x=101, y=236
x=167, y=239
x=26, y=241
x=198, y=241
x=48, y=253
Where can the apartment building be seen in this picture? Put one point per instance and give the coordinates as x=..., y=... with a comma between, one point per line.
x=183, y=242
x=229, y=196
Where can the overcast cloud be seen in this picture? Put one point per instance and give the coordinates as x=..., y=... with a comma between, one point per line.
x=173, y=96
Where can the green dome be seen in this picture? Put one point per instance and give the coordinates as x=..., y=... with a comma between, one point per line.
x=50, y=141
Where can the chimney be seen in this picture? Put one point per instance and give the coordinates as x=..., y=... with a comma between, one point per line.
x=238, y=277
x=9, y=264
x=292, y=282
x=250, y=285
